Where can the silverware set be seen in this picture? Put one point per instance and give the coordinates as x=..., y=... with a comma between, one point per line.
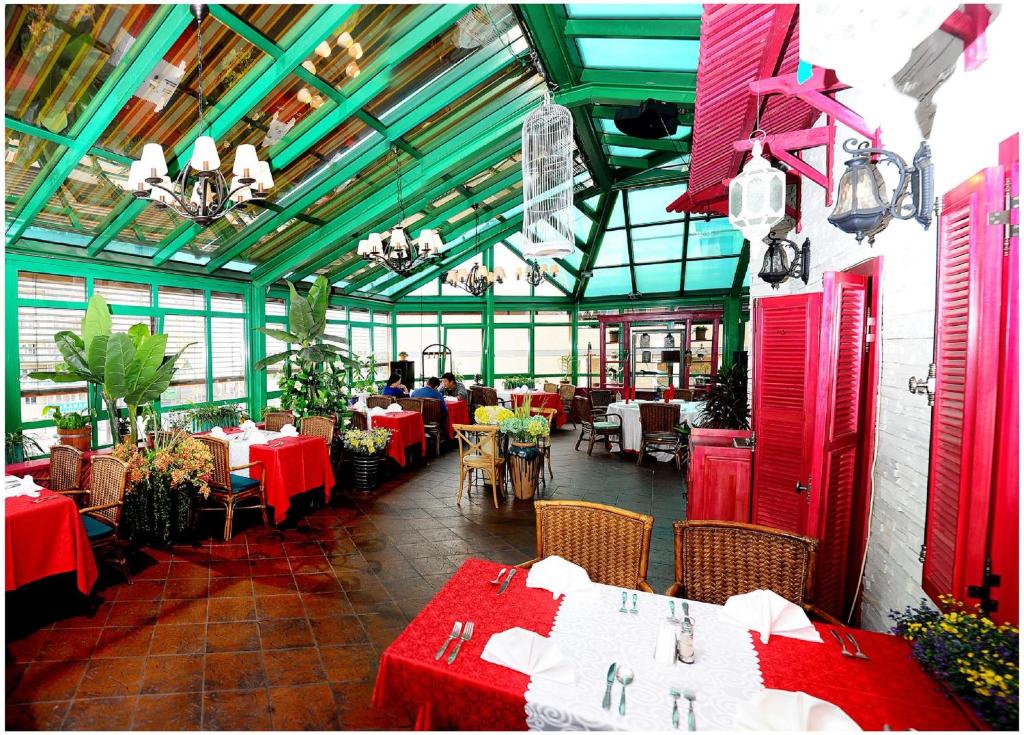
x=842, y=645
x=508, y=579
x=461, y=634
x=624, y=676
x=43, y=498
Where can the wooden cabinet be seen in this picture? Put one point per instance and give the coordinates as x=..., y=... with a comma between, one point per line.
x=719, y=478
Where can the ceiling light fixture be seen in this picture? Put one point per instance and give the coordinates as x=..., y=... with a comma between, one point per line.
x=476, y=280
x=200, y=192
x=536, y=272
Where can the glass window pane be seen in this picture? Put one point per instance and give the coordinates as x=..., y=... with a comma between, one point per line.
x=643, y=54
x=511, y=316
x=359, y=315
x=618, y=216
x=414, y=340
x=628, y=152
x=180, y=298
x=25, y=156
x=122, y=292
x=702, y=274
x=37, y=351
x=189, y=383
x=614, y=249
x=657, y=242
x=549, y=344
x=337, y=314
x=658, y=278
x=648, y=205
x=511, y=351
x=714, y=237
x=226, y=302
x=382, y=345
x=640, y=10
x=407, y=317
x=588, y=340
x=50, y=287
x=276, y=307
x=552, y=316
x=227, y=348
x=505, y=258
x=360, y=345
x=461, y=318
x=467, y=352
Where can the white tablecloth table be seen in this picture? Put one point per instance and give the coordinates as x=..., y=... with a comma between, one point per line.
x=630, y=413
x=238, y=448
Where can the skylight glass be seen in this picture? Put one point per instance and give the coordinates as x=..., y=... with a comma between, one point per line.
x=705, y=274
x=614, y=249
x=657, y=242
x=715, y=237
x=648, y=205
x=642, y=54
x=621, y=150
x=641, y=10
x=658, y=278
x=610, y=281
x=618, y=216
x=607, y=125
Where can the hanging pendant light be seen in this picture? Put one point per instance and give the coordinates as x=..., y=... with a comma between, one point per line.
x=777, y=268
x=757, y=196
x=536, y=273
x=200, y=192
x=477, y=279
x=548, y=182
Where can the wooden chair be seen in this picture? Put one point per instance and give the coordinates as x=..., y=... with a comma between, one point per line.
x=599, y=400
x=229, y=489
x=358, y=421
x=66, y=472
x=102, y=517
x=276, y=419
x=378, y=401
x=566, y=392
x=606, y=427
x=550, y=387
x=544, y=442
x=482, y=395
x=433, y=422
x=321, y=426
x=410, y=404
x=479, y=450
x=718, y=559
x=612, y=544
x=658, y=423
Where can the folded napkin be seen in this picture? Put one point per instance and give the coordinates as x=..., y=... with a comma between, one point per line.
x=394, y=408
x=289, y=430
x=451, y=399
x=247, y=424
x=558, y=576
x=257, y=437
x=218, y=431
x=769, y=614
x=531, y=653
x=777, y=710
x=24, y=486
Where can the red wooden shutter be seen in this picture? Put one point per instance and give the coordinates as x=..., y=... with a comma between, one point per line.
x=838, y=429
x=967, y=348
x=785, y=376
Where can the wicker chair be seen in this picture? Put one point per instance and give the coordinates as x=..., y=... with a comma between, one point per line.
x=66, y=471
x=718, y=559
x=658, y=423
x=276, y=419
x=358, y=421
x=410, y=404
x=550, y=387
x=599, y=400
x=544, y=442
x=480, y=451
x=566, y=392
x=482, y=395
x=102, y=517
x=596, y=427
x=433, y=422
x=378, y=401
x=321, y=426
x=229, y=489
x=612, y=544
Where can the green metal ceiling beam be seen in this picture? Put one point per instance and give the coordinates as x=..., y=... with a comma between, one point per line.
x=159, y=34
x=607, y=112
x=646, y=28
x=741, y=269
x=594, y=93
x=604, y=214
x=647, y=83
x=43, y=134
x=679, y=147
x=651, y=177
x=628, y=162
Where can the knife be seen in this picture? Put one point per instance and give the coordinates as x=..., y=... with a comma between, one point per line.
x=504, y=585
x=607, y=702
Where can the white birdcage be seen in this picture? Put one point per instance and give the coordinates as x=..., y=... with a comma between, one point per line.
x=548, y=182
x=483, y=25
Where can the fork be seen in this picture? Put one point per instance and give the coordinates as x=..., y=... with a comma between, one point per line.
x=456, y=629
x=841, y=643
x=497, y=580
x=466, y=635
x=859, y=653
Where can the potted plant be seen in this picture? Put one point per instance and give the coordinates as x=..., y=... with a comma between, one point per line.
x=726, y=405
x=364, y=380
x=403, y=356
x=73, y=428
x=17, y=446
x=525, y=458
x=204, y=417
x=566, y=363
x=366, y=446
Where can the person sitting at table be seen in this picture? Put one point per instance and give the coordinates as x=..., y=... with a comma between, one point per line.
x=394, y=387
x=452, y=387
x=430, y=390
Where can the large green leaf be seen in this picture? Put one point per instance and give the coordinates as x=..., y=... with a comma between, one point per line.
x=148, y=358
x=55, y=376
x=97, y=321
x=120, y=353
x=317, y=299
x=273, y=359
x=300, y=316
x=332, y=338
x=97, y=356
x=150, y=390
x=279, y=334
x=70, y=347
x=138, y=332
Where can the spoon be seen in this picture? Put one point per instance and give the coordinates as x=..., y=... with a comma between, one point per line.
x=691, y=718
x=623, y=608
x=625, y=677
x=497, y=580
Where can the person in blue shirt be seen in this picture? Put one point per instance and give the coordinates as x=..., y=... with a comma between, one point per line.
x=430, y=390
x=394, y=387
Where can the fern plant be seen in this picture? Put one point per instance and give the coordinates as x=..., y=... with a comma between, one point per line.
x=726, y=405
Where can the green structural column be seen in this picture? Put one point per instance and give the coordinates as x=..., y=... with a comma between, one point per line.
x=733, y=328
x=575, y=377
x=255, y=317
x=488, y=330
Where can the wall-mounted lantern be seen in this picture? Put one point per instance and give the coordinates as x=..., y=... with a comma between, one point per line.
x=777, y=267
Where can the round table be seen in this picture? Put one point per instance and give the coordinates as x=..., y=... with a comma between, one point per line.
x=630, y=413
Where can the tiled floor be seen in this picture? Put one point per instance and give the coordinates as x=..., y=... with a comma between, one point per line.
x=282, y=629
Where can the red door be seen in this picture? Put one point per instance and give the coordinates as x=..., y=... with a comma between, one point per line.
x=786, y=332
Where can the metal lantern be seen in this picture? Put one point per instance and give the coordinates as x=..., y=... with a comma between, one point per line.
x=548, y=182
x=757, y=196
x=777, y=266
x=863, y=208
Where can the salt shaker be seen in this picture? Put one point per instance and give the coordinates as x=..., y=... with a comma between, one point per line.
x=684, y=644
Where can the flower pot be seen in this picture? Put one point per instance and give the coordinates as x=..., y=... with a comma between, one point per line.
x=366, y=469
x=525, y=463
x=80, y=439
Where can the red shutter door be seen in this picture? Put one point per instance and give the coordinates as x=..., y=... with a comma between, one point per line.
x=838, y=429
x=967, y=348
x=785, y=372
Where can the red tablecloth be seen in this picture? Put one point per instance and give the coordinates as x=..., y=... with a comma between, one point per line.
x=543, y=399
x=44, y=539
x=406, y=431
x=293, y=464
x=458, y=413
x=473, y=694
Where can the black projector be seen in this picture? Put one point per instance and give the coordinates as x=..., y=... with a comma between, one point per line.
x=651, y=119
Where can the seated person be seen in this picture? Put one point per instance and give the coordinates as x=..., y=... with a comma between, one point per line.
x=430, y=390
x=451, y=387
x=394, y=387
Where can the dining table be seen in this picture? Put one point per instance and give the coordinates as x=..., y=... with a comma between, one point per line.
x=458, y=413
x=541, y=399
x=407, y=430
x=594, y=628
x=45, y=536
x=631, y=431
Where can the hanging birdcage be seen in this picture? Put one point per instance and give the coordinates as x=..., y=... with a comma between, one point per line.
x=547, y=182
x=483, y=25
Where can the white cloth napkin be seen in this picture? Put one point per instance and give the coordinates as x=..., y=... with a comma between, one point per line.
x=769, y=614
x=775, y=710
x=247, y=424
x=289, y=430
x=394, y=408
x=531, y=653
x=257, y=437
x=218, y=431
x=521, y=389
x=558, y=576
x=24, y=486
x=451, y=399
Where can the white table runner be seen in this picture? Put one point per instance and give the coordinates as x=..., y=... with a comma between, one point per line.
x=592, y=632
x=630, y=413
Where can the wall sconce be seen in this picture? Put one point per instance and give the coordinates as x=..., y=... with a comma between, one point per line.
x=777, y=268
x=862, y=207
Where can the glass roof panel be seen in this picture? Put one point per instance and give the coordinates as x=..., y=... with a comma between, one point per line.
x=648, y=205
x=582, y=225
x=273, y=21
x=372, y=29
x=90, y=193
x=24, y=157
x=609, y=281
x=621, y=150
x=640, y=10
x=642, y=54
x=705, y=274
x=658, y=278
x=657, y=242
x=505, y=258
x=618, y=215
x=614, y=249
x=714, y=237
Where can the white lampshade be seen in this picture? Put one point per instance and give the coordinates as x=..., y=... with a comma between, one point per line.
x=204, y=154
x=554, y=269
x=355, y=51
x=309, y=66
x=352, y=69
x=757, y=197
x=519, y=273
x=159, y=195
x=499, y=272
x=137, y=177
x=304, y=96
x=153, y=159
x=363, y=248
x=345, y=39
x=265, y=178
x=376, y=243
x=243, y=194
x=324, y=49
x=247, y=163
x=317, y=102
x=399, y=242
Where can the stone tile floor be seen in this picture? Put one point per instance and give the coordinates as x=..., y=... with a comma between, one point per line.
x=282, y=628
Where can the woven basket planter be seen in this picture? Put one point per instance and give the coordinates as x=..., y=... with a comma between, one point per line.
x=80, y=439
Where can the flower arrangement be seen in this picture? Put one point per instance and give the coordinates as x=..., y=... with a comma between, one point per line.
x=368, y=442
x=522, y=427
x=491, y=415
x=977, y=658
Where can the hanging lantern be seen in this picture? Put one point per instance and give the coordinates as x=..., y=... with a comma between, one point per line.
x=670, y=342
x=757, y=197
x=863, y=208
x=777, y=267
x=548, y=182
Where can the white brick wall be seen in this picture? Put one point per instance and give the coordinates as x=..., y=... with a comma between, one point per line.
x=975, y=111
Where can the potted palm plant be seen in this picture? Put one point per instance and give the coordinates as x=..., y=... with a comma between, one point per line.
x=525, y=458
x=73, y=428
x=17, y=445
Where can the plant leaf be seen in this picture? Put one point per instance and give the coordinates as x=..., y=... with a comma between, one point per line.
x=138, y=332
x=55, y=376
x=97, y=356
x=279, y=334
x=120, y=352
x=317, y=299
x=150, y=390
x=273, y=359
x=332, y=338
x=97, y=321
x=300, y=316
x=148, y=358
x=70, y=346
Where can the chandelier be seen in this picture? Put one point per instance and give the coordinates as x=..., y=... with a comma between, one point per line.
x=394, y=250
x=475, y=280
x=536, y=272
x=200, y=192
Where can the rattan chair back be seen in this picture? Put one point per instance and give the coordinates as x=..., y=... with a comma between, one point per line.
x=659, y=418
x=358, y=421
x=566, y=391
x=611, y=544
x=319, y=426
x=480, y=448
x=220, y=478
x=489, y=396
x=65, y=468
x=107, y=484
x=550, y=387
x=718, y=559
x=276, y=419
x=583, y=407
x=378, y=401
x=431, y=410
x=410, y=404
x=600, y=398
